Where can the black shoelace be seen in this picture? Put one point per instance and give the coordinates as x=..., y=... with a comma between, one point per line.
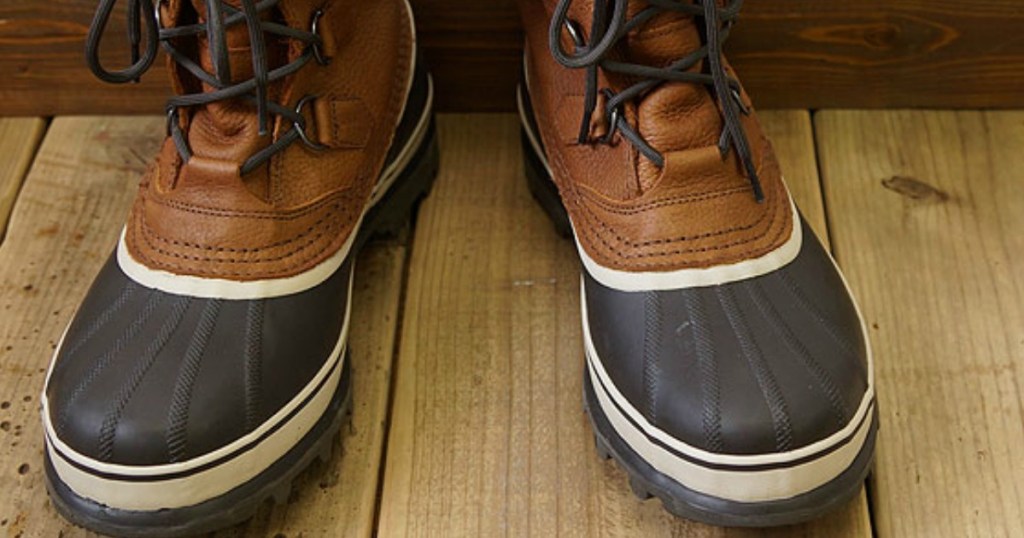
x=607, y=28
x=219, y=17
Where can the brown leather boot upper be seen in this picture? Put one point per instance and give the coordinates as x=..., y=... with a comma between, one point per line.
x=205, y=215
x=697, y=208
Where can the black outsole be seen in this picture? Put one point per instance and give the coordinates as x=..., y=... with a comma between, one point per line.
x=399, y=205
x=234, y=507
x=543, y=189
x=647, y=482
x=275, y=483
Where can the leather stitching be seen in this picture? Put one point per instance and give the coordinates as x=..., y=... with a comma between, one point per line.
x=664, y=202
x=265, y=215
x=300, y=263
x=695, y=250
x=333, y=225
x=309, y=232
x=685, y=238
x=588, y=212
x=155, y=234
x=334, y=121
x=582, y=191
x=280, y=257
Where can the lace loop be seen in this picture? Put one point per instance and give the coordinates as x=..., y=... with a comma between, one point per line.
x=300, y=126
x=607, y=29
x=140, y=61
x=219, y=17
x=314, y=28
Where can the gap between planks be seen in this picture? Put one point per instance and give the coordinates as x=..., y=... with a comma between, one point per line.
x=488, y=436
x=956, y=391
x=927, y=215
x=19, y=140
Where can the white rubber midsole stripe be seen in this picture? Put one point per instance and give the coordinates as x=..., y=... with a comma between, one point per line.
x=204, y=485
x=218, y=288
x=201, y=486
x=698, y=277
x=415, y=141
x=711, y=457
x=739, y=486
x=736, y=485
x=733, y=485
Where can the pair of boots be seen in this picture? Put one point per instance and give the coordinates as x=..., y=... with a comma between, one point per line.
x=727, y=369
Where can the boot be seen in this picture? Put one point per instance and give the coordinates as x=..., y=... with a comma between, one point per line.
x=207, y=365
x=727, y=367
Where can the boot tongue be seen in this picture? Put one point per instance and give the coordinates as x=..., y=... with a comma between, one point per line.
x=676, y=116
x=228, y=130
x=663, y=39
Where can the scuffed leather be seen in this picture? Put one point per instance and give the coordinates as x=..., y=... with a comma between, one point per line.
x=203, y=219
x=628, y=214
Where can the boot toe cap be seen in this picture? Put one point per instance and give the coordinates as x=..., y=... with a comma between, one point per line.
x=145, y=377
x=763, y=365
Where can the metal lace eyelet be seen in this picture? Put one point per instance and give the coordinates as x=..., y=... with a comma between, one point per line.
x=172, y=116
x=613, y=125
x=157, y=16
x=739, y=101
x=575, y=33
x=314, y=28
x=613, y=116
x=300, y=126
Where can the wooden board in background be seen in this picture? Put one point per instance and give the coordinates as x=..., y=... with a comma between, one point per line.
x=19, y=139
x=65, y=223
x=488, y=436
x=790, y=53
x=927, y=216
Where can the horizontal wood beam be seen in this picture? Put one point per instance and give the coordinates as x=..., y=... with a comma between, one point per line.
x=790, y=53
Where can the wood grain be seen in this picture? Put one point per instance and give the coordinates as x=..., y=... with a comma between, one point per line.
x=881, y=53
x=927, y=214
x=339, y=498
x=64, y=224
x=488, y=436
x=790, y=53
x=67, y=219
x=19, y=138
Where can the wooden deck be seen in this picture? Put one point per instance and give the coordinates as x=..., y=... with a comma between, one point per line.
x=466, y=340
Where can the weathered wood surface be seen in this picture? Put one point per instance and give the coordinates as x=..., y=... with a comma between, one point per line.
x=926, y=211
x=339, y=498
x=19, y=139
x=488, y=436
x=65, y=222
x=790, y=53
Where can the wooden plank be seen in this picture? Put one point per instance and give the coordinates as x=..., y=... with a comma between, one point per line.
x=19, y=138
x=927, y=213
x=42, y=51
x=791, y=53
x=65, y=222
x=488, y=436
x=793, y=138
x=339, y=498
x=474, y=50
x=881, y=53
